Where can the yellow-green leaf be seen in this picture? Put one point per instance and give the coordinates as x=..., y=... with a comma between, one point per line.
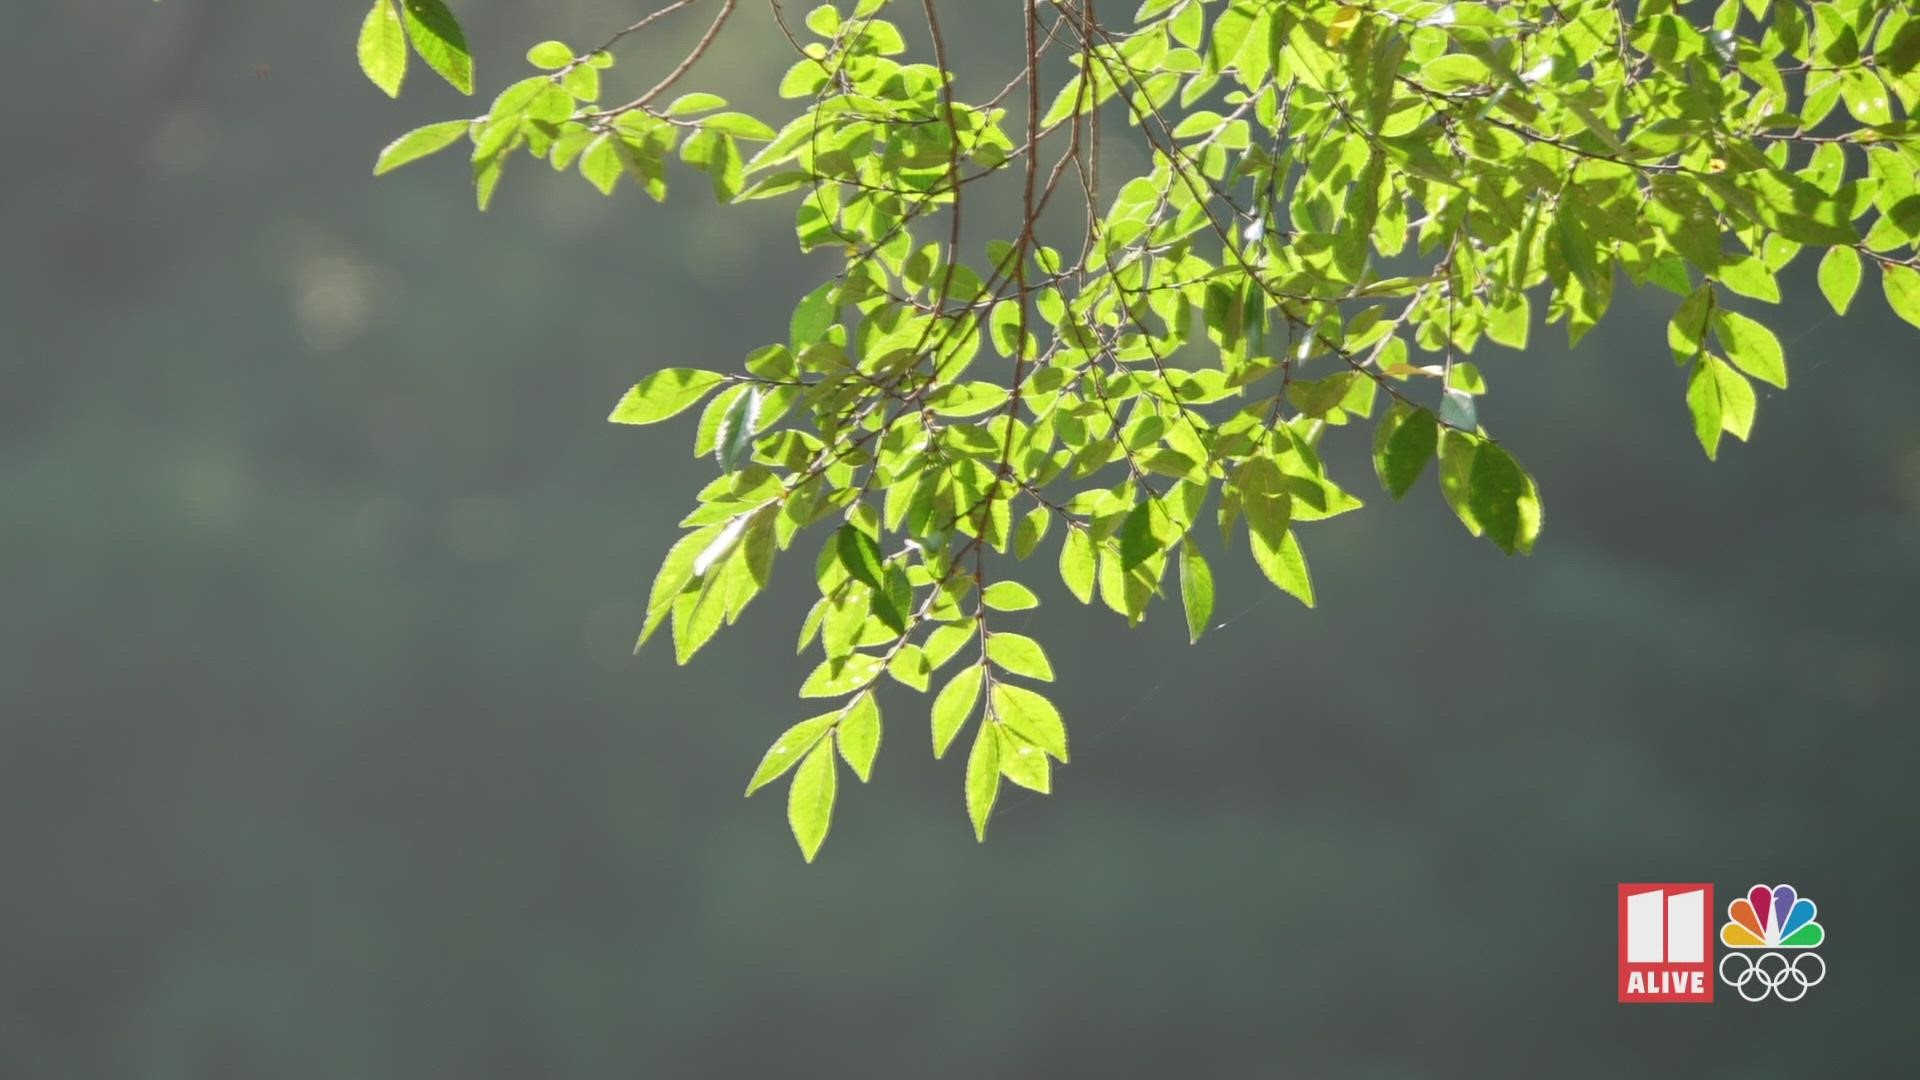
x=1405, y=442
x=983, y=779
x=1703, y=401
x=550, y=55
x=789, y=748
x=1009, y=596
x=438, y=39
x=858, y=735
x=1022, y=762
x=842, y=675
x=1839, y=277
x=663, y=394
x=810, y=799
x=1736, y=399
x=1751, y=346
x=1077, y=564
x=1503, y=499
x=1196, y=590
x=1020, y=655
x=419, y=143
x=1284, y=564
x=383, y=48
x=1033, y=716
x=953, y=705
x=1902, y=286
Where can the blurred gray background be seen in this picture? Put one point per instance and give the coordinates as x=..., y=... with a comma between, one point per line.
x=322, y=753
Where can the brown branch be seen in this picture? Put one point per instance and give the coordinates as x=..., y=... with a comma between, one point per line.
x=693, y=57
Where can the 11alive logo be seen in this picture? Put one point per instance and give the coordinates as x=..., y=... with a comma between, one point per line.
x=1666, y=944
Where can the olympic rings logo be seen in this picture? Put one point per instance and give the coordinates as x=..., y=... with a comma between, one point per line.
x=1772, y=973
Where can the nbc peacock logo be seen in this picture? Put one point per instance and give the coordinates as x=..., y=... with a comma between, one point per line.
x=1772, y=932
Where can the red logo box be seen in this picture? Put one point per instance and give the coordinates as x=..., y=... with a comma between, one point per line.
x=1666, y=942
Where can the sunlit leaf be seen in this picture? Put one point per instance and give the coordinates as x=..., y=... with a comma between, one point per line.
x=953, y=705
x=810, y=799
x=983, y=779
x=664, y=394
x=1196, y=590
x=438, y=39
x=383, y=49
x=419, y=143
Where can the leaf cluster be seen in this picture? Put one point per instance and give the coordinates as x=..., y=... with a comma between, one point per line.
x=1346, y=208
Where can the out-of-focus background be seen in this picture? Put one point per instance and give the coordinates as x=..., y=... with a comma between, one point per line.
x=322, y=753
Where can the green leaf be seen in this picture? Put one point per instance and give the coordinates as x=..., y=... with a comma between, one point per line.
x=1009, y=596
x=1077, y=564
x=663, y=394
x=1020, y=655
x=1454, y=71
x=1721, y=401
x=842, y=675
x=1687, y=330
x=676, y=571
x=1503, y=499
x=1032, y=529
x=419, y=143
x=706, y=434
x=738, y=125
x=600, y=164
x=1033, y=716
x=1866, y=96
x=1508, y=323
x=1196, y=590
x=1229, y=34
x=893, y=602
x=1457, y=451
x=945, y=642
x=383, y=48
x=810, y=800
x=719, y=157
x=1703, y=401
x=1407, y=439
x=550, y=55
x=1022, y=762
x=1748, y=276
x=734, y=440
x=699, y=613
x=910, y=667
x=1317, y=397
x=1137, y=542
x=439, y=41
x=583, y=82
x=983, y=779
x=1902, y=286
x=1736, y=399
x=1839, y=277
x=1284, y=564
x=1265, y=500
x=858, y=735
x=1751, y=346
x=860, y=555
x=954, y=704
x=697, y=102
x=487, y=168
x=824, y=20
x=789, y=748
x=815, y=313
